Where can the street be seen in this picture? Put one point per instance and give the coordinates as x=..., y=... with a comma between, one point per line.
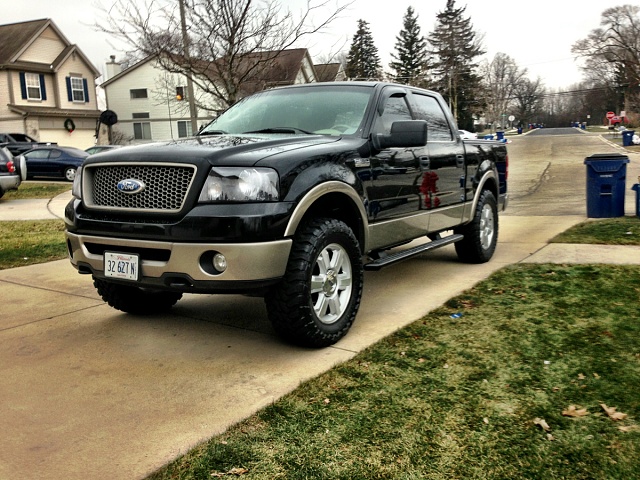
x=90, y=392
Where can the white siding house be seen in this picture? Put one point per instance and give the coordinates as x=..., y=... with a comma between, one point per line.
x=144, y=98
x=47, y=85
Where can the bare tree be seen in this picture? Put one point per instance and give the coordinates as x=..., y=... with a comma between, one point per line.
x=229, y=43
x=529, y=98
x=612, y=52
x=501, y=77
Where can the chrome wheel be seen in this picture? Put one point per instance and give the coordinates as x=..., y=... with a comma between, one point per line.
x=487, y=226
x=331, y=283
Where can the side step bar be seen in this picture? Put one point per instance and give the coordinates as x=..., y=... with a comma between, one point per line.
x=404, y=254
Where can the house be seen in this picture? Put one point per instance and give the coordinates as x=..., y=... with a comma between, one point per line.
x=151, y=104
x=330, y=72
x=47, y=85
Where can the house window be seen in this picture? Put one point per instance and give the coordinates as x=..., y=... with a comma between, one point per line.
x=140, y=115
x=184, y=129
x=138, y=93
x=77, y=89
x=33, y=86
x=142, y=130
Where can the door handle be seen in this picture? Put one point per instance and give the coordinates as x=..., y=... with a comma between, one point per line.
x=460, y=161
x=425, y=162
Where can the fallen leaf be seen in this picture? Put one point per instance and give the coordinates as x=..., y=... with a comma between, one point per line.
x=485, y=420
x=550, y=437
x=595, y=375
x=611, y=412
x=238, y=471
x=581, y=376
x=327, y=401
x=572, y=411
x=628, y=428
x=446, y=365
x=421, y=360
x=555, y=389
x=542, y=424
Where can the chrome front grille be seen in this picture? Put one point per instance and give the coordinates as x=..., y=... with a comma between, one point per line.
x=165, y=186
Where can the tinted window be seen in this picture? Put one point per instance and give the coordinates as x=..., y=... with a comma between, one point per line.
x=395, y=109
x=428, y=108
x=44, y=153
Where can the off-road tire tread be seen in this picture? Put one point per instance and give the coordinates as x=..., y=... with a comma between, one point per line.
x=288, y=304
x=470, y=249
x=134, y=300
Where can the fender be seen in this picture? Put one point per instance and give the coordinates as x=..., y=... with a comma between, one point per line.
x=490, y=175
x=316, y=193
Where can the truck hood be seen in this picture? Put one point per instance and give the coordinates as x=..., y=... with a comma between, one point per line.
x=232, y=150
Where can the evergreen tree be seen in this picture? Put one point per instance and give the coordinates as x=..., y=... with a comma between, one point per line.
x=363, y=61
x=455, y=48
x=410, y=63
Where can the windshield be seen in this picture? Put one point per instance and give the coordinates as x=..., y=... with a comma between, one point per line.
x=331, y=110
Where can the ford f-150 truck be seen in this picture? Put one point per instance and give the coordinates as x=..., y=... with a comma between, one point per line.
x=290, y=194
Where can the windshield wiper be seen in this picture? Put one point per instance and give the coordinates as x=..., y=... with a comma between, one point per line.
x=281, y=130
x=212, y=132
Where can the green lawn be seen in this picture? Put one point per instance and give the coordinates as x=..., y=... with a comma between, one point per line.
x=28, y=242
x=474, y=390
x=37, y=190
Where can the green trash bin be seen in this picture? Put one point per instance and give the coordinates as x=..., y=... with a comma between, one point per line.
x=606, y=178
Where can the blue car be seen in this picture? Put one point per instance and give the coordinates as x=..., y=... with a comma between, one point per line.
x=54, y=162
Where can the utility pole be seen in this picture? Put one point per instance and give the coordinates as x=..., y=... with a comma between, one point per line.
x=185, y=47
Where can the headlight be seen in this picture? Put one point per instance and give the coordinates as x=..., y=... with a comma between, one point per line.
x=237, y=184
x=76, y=190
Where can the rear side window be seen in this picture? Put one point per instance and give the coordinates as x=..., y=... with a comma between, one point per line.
x=428, y=108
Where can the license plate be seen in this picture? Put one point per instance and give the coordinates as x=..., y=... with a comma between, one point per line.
x=122, y=265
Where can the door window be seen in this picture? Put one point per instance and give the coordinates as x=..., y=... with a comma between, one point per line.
x=428, y=108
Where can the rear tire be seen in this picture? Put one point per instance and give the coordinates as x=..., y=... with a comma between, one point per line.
x=481, y=235
x=316, y=302
x=135, y=300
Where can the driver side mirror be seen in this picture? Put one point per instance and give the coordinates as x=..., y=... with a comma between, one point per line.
x=404, y=134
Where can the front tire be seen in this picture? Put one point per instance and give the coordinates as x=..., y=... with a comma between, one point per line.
x=135, y=300
x=316, y=302
x=481, y=235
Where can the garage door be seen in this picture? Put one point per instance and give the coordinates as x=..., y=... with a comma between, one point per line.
x=81, y=139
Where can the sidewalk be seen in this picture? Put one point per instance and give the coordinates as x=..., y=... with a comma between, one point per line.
x=34, y=209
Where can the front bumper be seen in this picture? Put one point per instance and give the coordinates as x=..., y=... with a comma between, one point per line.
x=186, y=267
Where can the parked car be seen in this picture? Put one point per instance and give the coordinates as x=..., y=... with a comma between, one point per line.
x=100, y=148
x=467, y=135
x=12, y=171
x=56, y=162
x=18, y=143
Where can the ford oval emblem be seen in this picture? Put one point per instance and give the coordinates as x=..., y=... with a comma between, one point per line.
x=130, y=185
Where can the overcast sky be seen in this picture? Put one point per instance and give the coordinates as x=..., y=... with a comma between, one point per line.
x=537, y=34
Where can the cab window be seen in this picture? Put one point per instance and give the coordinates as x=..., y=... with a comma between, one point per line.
x=395, y=109
x=428, y=108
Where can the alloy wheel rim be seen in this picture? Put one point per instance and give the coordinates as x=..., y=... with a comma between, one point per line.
x=331, y=283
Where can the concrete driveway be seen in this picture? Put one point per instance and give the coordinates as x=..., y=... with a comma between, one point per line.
x=89, y=392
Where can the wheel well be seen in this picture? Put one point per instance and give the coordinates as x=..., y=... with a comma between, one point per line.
x=340, y=207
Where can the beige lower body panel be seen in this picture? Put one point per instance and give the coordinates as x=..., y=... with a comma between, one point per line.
x=246, y=261
x=396, y=231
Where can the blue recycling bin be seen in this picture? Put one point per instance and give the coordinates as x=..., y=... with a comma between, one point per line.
x=636, y=188
x=606, y=177
x=500, y=135
x=627, y=138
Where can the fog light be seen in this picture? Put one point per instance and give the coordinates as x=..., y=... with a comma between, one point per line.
x=219, y=262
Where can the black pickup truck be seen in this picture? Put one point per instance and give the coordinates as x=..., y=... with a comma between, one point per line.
x=18, y=143
x=290, y=194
